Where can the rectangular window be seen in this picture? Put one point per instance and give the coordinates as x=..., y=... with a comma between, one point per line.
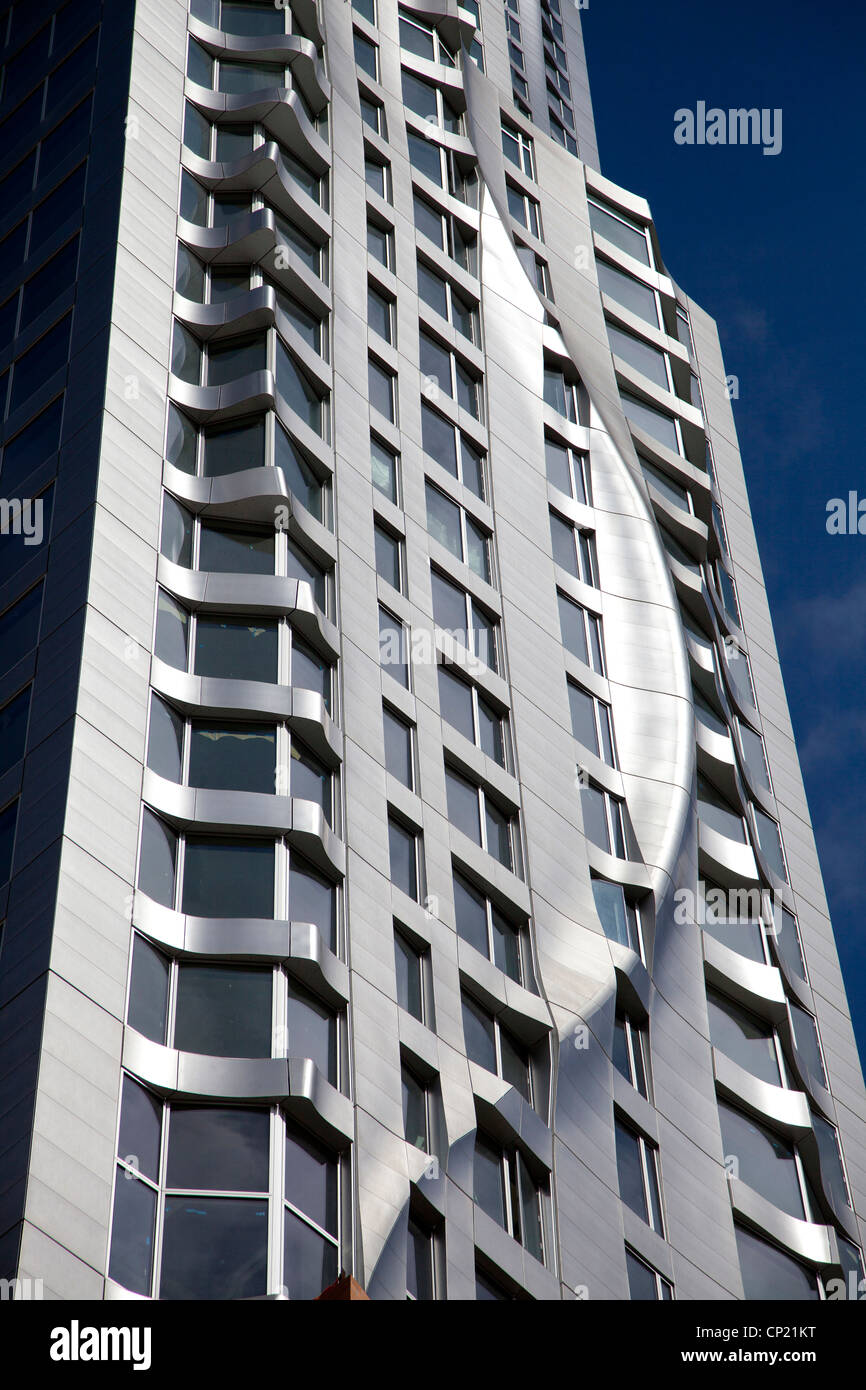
x=505, y=1189
x=472, y=810
x=441, y=296
x=457, y=613
x=632, y=294
x=467, y=710
x=380, y=244
x=380, y=313
x=444, y=371
x=637, y=1168
x=646, y=359
x=619, y=229
x=385, y=470
x=561, y=394
x=453, y=527
x=19, y=628
x=619, y=917
x=493, y=1047
x=581, y=633
x=416, y=1110
x=382, y=385
x=454, y=451
x=389, y=556
x=517, y=147
x=483, y=926
x=603, y=820
x=630, y=1052
x=645, y=1284
x=524, y=209
x=13, y=729
x=567, y=470
x=404, y=845
x=591, y=722
x=399, y=747
x=574, y=550
x=366, y=55
x=393, y=647
x=409, y=965
x=377, y=175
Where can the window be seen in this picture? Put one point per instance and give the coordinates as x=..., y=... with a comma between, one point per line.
x=770, y=842
x=736, y=924
x=763, y=1161
x=646, y=359
x=36, y=366
x=231, y=647
x=441, y=296
x=505, y=1189
x=444, y=371
x=447, y=232
x=769, y=1274
x=389, y=556
x=443, y=167
x=8, y=823
x=753, y=753
x=252, y=19
x=19, y=628
x=420, y=1263
x=203, y=753
x=616, y=227
x=467, y=710
x=496, y=1049
x=542, y=278
x=380, y=313
x=477, y=814
x=206, y=877
x=517, y=147
x=619, y=917
x=645, y=1284
x=632, y=294
x=630, y=1052
x=483, y=926
x=453, y=450
x=591, y=722
x=637, y=1168
x=453, y=527
x=805, y=1033
x=457, y=613
x=662, y=427
x=832, y=1170
x=366, y=55
x=220, y=1010
x=718, y=813
x=409, y=966
x=745, y=1038
x=561, y=395
x=393, y=647
x=32, y=445
x=384, y=465
x=399, y=751
x=574, y=550
x=430, y=103
x=416, y=1110
x=524, y=209
x=382, y=385
x=672, y=491
x=311, y=1240
x=13, y=729
x=561, y=118
x=603, y=820
x=377, y=174
x=380, y=244
x=567, y=470
x=367, y=8
x=424, y=41
x=373, y=115
x=787, y=938
x=728, y=593
x=404, y=846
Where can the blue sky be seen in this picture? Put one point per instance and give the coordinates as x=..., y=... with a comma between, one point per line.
x=770, y=246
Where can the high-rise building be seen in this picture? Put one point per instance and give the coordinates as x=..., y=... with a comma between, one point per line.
x=407, y=869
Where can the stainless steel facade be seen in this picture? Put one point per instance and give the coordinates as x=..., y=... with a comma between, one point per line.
x=510, y=656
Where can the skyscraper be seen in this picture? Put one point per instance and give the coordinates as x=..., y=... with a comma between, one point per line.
x=407, y=866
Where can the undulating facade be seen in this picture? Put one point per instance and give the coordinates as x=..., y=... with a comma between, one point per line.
x=407, y=869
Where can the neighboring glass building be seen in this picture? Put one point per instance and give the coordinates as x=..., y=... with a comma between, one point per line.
x=406, y=866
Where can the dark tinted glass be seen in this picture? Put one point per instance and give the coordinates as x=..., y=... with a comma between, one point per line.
x=239, y=757
x=311, y=1179
x=77, y=68
x=235, y=649
x=65, y=137
x=13, y=730
x=140, y=1129
x=218, y=1148
x=312, y=1031
x=148, y=996
x=32, y=446
x=64, y=203
x=310, y=1261
x=313, y=899
x=235, y=552
x=158, y=858
x=214, y=1248
x=223, y=1010
x=132, y=1233
x=19, y=628
x=408, y=969
x=50, y=283
x=38, y=365
x=223, y=879
x=233, y=450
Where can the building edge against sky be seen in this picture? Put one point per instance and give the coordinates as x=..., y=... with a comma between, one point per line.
x=392, y=712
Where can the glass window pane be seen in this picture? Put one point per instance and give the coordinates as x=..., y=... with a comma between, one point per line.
x=506, y=946
x=764, y=1161
x=414, y=1112
x=443, y=521
x=770, y=1274
x=498, y=829
x=831, y=1163
x=627, y=238
x=621, y=1057
x=479, y=1035
x=218, y=1148
x=455, y=703
x=312, y=1031
x=611, y=908
x=223, y=879
x=490, y=730
x=642, y=1285
x=402, y=849
x=488, y=1189
x=595, y=824
x=463, y=806
x=237, y=757
x=419, y=1264
x=449, y=607
x=132, y=1233
x=214, y=1248
x=398, y=747
x=148, y=994
x=530, y=1211
x=309, y=1260
x=806, y=1040
x=407, y=963
x=788, y=941
x=470, y=910
x=381, y=389
x=387, y=557
x=13, y=730
x=627, y=291
x=310, y=671
x=158, y=857
x=515, y=1064
x=642, y=356
x=298, y=391
x=438, y=439
x=231, y=361
x=140, y=1128
x=655, y=422
x=770, y=841
x=311, y=1179
x=312, y=898
x=436, y=365
x=743, y=1038
x=583, y=717
x=223, y=1010
x=392, y=647
x=234, y=450
x=235, y=649
x=573, y=630
x=235, y=552
x=630, y=1171
x=718, y=813
x=384, y=467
